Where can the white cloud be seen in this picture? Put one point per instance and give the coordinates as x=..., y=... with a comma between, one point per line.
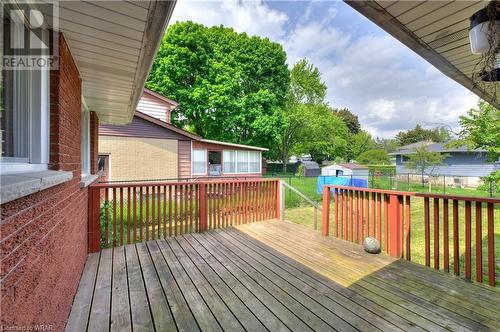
x=375, y=76
x=253, y=17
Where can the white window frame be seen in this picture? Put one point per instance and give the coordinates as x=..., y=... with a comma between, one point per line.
x=248, y=162
x=85, y=140
x=38, y=128
x=192, y=161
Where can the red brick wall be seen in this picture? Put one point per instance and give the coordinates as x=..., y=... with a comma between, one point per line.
x=94, y=146
x=44, y=235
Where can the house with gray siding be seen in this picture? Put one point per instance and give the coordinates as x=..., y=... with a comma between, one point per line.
x=461, y=166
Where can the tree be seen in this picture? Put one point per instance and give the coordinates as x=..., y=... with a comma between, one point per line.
x=423, y=160
x=418, y=134
x=230, y=86
x=481, y=129
x=351, y=120
x=306, y=90
x=374, y=157
x=387, y=144
x=359, y=143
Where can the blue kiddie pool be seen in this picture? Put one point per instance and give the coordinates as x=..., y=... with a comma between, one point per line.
x=346, y=181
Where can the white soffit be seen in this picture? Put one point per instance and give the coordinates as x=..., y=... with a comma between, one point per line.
x=436, y=30
x=114, y=44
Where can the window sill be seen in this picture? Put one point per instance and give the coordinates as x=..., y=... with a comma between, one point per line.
x=18, y=185
x=88, y=180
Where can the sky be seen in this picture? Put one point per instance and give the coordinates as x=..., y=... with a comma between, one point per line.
x=388, y=86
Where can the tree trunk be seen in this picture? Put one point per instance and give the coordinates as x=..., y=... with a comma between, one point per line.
x=284, y=159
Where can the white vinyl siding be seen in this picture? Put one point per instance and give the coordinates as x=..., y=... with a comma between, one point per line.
x=241, y=162
x=199, y=161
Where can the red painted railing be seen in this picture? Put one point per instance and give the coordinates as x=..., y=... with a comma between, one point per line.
x=122, y=213
x=390, y=215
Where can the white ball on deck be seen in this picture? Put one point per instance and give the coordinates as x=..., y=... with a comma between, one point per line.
x=371, y=245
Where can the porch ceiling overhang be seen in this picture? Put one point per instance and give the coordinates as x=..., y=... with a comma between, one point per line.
x=436, y=30
x=114, y=44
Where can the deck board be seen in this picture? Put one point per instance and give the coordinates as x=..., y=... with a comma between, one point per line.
x=272, y=276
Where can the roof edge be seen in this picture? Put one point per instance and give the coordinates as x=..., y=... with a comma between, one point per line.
x=250, y=147
x=167, y=125
x=161, y=97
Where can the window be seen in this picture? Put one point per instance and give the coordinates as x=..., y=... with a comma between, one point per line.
x=199, y=161
x=242, y=161
x=404, y=159
x=242, y=164
x=229, y=161
x=24, y=120
x=254, y=162
x=85, y=141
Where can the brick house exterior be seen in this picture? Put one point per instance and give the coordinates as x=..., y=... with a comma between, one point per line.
x=43, y=243
x=45, y=197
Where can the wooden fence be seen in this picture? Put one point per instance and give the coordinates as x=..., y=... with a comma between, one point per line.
x=387, y=216
x=122, y=213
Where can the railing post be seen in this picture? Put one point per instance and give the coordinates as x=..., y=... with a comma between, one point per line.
x=326, y=211
x=94, y=227
x=281, y=201
x=202, y=212
x=395, y=220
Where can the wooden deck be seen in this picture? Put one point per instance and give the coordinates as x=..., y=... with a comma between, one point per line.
x=271, y=276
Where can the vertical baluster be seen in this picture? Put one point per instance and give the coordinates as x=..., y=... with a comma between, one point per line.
x=231, y=202
x=245, y=200
x=446, y=235
x=106, y=215
x=147, y=213
x=169, y=210
x=436, y=233
x=456, y=248
x=427, y=232
x=336, y=216
x=386, y=223
x=159, y=216
x=135, y=214
x=408, y=228
x=122, y=222
x=373, y=214
x=165, y=200
x=491, y=246
x=182, y=207
x=187, y=193
x=153, y=211
x=257, y=204
x=192, y=205
x=379, y=217
x=467, y=240
x=175, y=202
x=129, y=220
x=479, y=242
x=367, y=213
x=141, y=216
x=355, y=208
x=196, y=211
x=114, y=217
x=223, y=204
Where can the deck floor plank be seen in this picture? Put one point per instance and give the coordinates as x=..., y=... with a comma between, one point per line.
x=202, y=313
x=263, y=313
x=180, y=310
x=160, y=310
x=82, y=303
x=246, y=318
x=139, y=305
x=120, y=304
x=101, y=303
x=273, y=276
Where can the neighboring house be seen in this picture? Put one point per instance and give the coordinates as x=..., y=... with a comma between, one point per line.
x=104, y=50
x=150, y=147
x=462, y=166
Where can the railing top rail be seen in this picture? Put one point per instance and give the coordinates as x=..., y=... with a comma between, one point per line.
x=411, y=193
x=370, y=190
x=461, y=198
x=166, y=183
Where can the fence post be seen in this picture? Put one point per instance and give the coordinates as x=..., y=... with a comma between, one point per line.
x=326, y=211
x=94, y=225
x=395, y=233
x=203, y=207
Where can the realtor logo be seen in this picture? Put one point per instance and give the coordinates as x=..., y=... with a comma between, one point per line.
x=29, y=31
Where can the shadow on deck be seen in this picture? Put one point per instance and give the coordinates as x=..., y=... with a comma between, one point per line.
x=271, y=276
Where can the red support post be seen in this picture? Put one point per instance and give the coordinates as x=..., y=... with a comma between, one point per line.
x=202, y=212
x=326, y=211
x=395, y=234
x=94, y=229
x=278, y=199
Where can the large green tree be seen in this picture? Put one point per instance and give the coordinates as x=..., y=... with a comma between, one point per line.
x=358, y=143
x=481, y=129
x=374, y=157
x=230, y=86
x=417, y=134
x=307, y=124
x=424, y=161
x=350, y=119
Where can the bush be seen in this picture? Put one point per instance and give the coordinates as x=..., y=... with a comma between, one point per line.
x=491, y=182
x=382, y=170
x=301, y=170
